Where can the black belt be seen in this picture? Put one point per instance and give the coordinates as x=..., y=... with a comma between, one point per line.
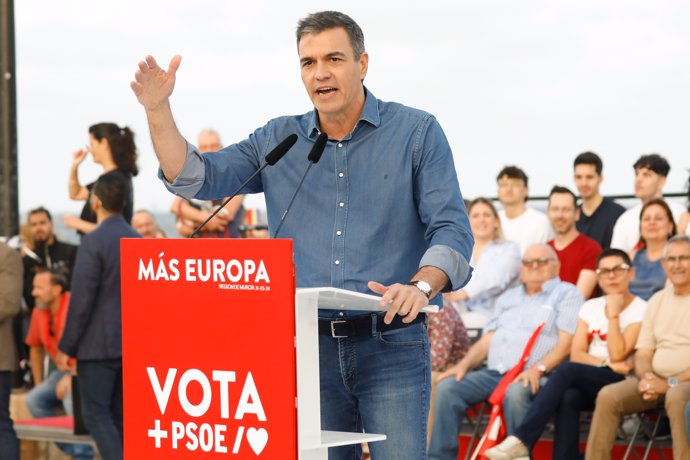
x=362, y=326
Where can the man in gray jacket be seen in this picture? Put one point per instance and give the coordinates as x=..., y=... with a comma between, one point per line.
x=10, y=301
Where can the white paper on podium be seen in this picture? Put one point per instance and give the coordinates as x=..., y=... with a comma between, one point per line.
x=342, y=299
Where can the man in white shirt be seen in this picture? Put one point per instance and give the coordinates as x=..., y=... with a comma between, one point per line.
x=650, y=177
x=525, y=226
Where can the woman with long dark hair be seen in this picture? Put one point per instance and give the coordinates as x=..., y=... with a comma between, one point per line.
x=113, y=148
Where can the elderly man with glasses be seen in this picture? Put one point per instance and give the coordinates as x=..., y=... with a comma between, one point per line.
x=662, y=362
x=540, y=298
x=605, y=337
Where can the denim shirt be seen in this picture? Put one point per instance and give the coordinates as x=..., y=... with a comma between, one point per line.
x=380, y=203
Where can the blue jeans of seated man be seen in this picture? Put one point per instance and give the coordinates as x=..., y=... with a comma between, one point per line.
x=42, y=401
x=379, y=384
x=454, y=398
x=572, y=387
x=9, y=446
x=687, y=419
x=100, y=385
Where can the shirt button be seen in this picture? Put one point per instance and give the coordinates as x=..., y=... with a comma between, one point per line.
x=337, y=262
x=341, y=204
x=340, y=144
x=338, y=233
x=340, y=174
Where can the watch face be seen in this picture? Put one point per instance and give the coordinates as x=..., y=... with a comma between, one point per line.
x=672, y=381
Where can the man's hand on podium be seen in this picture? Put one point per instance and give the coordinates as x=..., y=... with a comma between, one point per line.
x=407, y=300
x=401, y=299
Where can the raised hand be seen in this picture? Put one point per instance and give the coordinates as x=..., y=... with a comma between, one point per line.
x=78, y=157
x=152, y=85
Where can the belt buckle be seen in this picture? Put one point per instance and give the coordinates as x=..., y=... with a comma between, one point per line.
x=333, y=323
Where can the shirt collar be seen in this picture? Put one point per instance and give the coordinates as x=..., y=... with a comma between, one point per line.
x=370, y=114
x=548, y=286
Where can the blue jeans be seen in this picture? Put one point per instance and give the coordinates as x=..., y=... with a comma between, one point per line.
x=9, y=446
x=100, y=385
x=687, y=419
x=571, y=388
x=454, y=398
x=42, y=401
x=379, y=384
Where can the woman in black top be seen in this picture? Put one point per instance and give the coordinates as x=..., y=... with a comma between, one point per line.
x=113, y=148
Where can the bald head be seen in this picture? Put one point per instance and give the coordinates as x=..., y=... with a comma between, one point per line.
x=539, y=264
x=209, y=141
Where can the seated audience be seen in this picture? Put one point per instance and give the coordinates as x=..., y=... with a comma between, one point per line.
x=650, y=178
x=145, y=224
x=255, y=225
x=656, y=227
x=576, y=252
x=192, y=213
x=541, y=298
x=51, y=391
x=602, y=347
x=662, y=363
x=496, y=265
x=598, y=214
x=524, y=225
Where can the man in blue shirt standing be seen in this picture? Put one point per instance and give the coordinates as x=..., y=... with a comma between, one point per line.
x=383, y=204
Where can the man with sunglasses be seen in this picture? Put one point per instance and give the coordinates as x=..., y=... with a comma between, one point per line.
x=52, y=390
x=540, y=298
x=662, y=362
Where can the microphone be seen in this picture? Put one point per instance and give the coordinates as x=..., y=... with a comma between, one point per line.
x=313, y=157
x=270, y=159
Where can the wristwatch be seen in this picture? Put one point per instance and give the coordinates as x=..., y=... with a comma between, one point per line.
x=672, y=382
x=422, y=286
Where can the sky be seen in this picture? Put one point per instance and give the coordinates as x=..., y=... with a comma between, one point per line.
x=531, y=83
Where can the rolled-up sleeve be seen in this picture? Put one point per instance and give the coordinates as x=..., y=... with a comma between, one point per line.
x=191, y=177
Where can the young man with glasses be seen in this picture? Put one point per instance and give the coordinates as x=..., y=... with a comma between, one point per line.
x=606, y=333
x=662, y=362
x=540, y=298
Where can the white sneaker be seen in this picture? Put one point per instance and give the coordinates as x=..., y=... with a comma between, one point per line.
x=510, y=449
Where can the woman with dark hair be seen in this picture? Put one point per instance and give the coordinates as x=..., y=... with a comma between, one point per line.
x=113, y=148
x=656, y=227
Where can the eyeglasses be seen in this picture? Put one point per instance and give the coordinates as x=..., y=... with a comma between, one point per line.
x=539, y=262
x=617, y=270
x=673, y=259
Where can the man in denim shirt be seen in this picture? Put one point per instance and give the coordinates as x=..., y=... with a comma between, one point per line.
x=383, y=204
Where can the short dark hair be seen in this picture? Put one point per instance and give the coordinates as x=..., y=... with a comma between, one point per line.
x=111, y=189
x=613, y=252
x=40, y=210
x=589, y=158
x=325, y=20
x=57, y=278
x=655, y=162
x=561, y=189
x=513, y=172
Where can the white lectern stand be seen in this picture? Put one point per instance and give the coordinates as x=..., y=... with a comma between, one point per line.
x=312, y=441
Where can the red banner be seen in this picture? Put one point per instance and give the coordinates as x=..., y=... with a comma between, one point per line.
x=208, y=329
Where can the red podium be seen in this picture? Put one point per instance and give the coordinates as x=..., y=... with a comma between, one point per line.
x=220, y=353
